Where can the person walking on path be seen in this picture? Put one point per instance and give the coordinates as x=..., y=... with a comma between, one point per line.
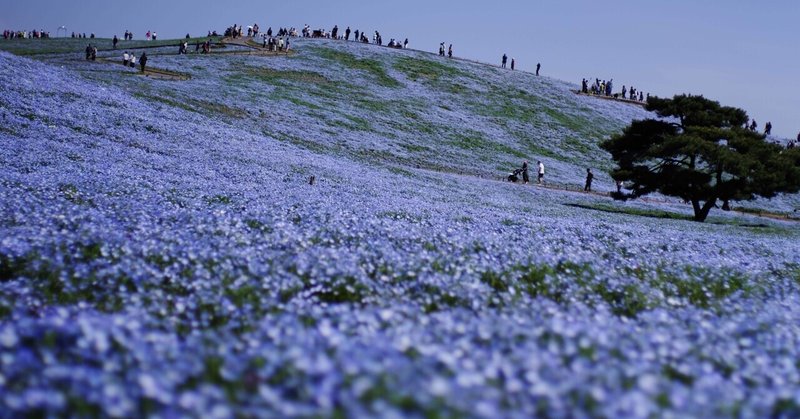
x=540, y=171
x=115, y=41
x=525, y=177
x=589, y=178
x=512, y=64
x=450, y=51
x=143, y=61
x=503, y=64
x=538, y=66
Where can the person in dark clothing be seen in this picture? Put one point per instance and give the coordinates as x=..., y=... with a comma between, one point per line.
x=589, y=178
x=143, y=61
x=503, y=62
x=450, y=51
x=525, y=178
x=538, y=66
x=512, y=64
x=768, y=128
x=347, y=34
x=115, y=41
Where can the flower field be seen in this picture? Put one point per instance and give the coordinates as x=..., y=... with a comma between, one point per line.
x=162, y=252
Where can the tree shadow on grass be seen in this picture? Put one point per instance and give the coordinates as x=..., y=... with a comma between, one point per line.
x=664, y=215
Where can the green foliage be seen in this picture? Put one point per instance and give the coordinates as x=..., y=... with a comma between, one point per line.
x=417, y=68
x=374, y=67
x=701, y=154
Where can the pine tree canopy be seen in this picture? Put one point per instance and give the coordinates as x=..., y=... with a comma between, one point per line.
x=700, y=151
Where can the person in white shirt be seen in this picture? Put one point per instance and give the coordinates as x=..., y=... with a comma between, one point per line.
x=540, y=172
x=133, y=60
x=125, y=59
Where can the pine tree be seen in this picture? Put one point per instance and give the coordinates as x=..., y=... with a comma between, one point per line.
x=700, y=152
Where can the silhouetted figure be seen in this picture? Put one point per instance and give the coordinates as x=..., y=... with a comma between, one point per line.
x=115, y=41
x=143, y=61
x=538, y=66
x=450, y=51
x=753, y=125
x=525, y=178
x=405, y=44
x=347, y=34
x=768, y=128
x=512, y=64
x=503, y=63
x=589, y=178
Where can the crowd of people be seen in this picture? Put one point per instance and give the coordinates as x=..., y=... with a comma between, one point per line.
x=91, y=52
x=9, y=34
x=606, y=88
x=129, y=60
x=276, y=44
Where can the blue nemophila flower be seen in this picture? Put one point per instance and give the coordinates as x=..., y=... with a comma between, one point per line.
x=162, y=252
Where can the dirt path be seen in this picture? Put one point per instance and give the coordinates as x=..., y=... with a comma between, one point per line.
x=152, y=72
x=255, y=47
x=577, y=189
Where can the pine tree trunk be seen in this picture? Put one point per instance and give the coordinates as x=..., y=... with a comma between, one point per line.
x=701, y=213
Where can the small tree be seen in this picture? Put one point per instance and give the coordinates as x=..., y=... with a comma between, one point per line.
x=701, y=153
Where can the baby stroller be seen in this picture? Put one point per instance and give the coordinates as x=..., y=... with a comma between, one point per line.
x=514, y=176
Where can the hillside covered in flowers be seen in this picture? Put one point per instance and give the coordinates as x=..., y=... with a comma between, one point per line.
x=163, y=251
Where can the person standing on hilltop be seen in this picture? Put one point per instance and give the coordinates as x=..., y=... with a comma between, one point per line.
x=347, y=34
x=540, y=172
x=512, y=63
x=538, y=66
x=503, y=61
x=450, y=51
x=589, y=178
x=115, y=41
x=768, y=128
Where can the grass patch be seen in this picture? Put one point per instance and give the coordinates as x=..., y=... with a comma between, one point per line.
x=422, y=69
x=567, y=282
x=195, y=105
x=373, y=67
x=272, y=76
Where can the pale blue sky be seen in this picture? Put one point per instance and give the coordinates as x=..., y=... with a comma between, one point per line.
x=742, y=53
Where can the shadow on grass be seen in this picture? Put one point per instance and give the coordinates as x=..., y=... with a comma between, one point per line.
x=662, y=215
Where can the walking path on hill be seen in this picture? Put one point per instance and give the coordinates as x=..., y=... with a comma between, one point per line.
x=152, y=72
x=577, y=189
x=255, y=47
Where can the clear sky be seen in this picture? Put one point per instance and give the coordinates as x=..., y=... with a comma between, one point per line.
x=741, y=53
